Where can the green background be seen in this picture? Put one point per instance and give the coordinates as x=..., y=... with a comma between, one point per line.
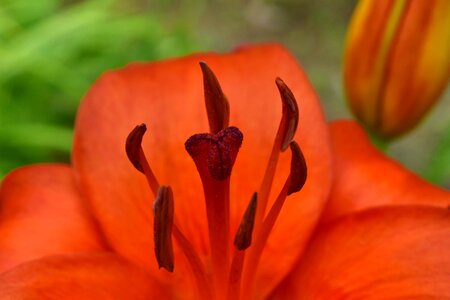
x=51, y=51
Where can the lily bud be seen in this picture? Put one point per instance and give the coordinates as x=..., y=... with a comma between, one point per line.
x=397, y=62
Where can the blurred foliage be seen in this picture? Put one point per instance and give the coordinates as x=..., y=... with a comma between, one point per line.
x=438, y=170
x=50, y=53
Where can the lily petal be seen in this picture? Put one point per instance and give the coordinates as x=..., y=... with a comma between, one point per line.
x=380, y=253
x=79, y=276
x=168, y=97
x=41, y=213
x=364, y=177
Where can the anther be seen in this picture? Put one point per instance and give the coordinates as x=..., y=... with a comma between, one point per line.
x=242, y=241
x=243, y=238
x=294, y=183
x=162, y=225
x=285, y=134
x=133, y=146
x=290, y=114
x=217, y=106
x=298, y=172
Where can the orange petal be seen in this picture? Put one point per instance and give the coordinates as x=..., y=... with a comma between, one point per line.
x=364, y=177
x=380, y=253
x=168, y=96
x=42, y=214
x=80, y=276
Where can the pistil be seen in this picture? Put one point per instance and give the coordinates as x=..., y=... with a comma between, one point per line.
x=214, y=156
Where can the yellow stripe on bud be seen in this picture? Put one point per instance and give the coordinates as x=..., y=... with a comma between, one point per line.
x=396, y=62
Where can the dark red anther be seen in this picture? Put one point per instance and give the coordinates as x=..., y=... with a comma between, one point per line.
x=162, y=228
x=243, y=238
x=215, y=152
x=217, y=106
x=298, y=171
x=290, y=114
x=133, y=146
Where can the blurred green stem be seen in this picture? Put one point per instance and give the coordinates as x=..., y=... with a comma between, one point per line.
x=380, y=143
x=438, y=170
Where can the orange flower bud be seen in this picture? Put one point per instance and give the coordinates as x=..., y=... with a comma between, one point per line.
x=397, y=62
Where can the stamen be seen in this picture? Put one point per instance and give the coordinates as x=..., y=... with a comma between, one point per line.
x=243, y=238
x=234, y=280
x=299, y=170
x=163, y=225
x=286, y=132
x=162, y=228
x=214, y=156
x=133, y=148
x=203, y=285
x=163, y=211
x=294, y=183
x=290, y=114
x=217, y=106
x=242, y=241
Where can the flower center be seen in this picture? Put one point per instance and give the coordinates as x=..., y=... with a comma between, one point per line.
x=214, y=154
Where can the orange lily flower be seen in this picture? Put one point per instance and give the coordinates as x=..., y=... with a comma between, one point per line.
x=397, y=62
x=87, y=231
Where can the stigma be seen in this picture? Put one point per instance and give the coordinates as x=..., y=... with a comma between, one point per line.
x=234, y=256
